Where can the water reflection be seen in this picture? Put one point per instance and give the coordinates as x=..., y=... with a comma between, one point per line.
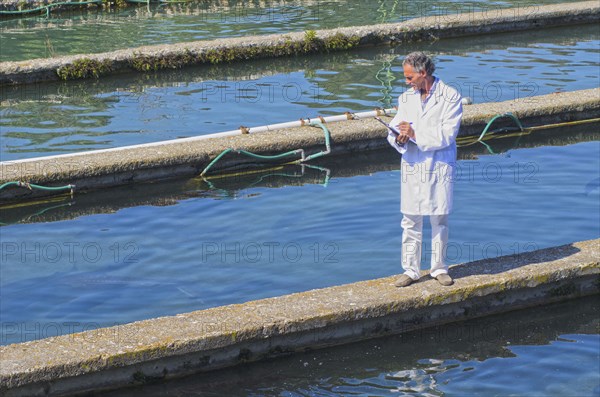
x=62, y=125
x=73, y=32
x=509, y=354
x=195, y=245
x=129, y=109
x=232, y=184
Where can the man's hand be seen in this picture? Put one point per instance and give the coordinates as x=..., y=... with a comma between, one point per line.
x=406, y=132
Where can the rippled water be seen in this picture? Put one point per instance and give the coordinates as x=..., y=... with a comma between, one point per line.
x=74, y=32
x=159, y=249
x=542, y=352
x=63, y=117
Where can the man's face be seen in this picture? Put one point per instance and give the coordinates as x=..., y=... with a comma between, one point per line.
x=414, y=79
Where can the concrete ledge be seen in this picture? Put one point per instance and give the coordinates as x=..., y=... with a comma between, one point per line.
x=224, y=336
x=253, y=47
x=363, y=163
x=188, y=156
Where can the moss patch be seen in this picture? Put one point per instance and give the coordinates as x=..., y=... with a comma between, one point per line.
x=309, y=44
x=84, y=68
x=146, y=63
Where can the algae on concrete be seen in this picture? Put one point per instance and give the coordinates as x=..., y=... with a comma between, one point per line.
x=430, y=28
x=173, y=346
x=189, y=156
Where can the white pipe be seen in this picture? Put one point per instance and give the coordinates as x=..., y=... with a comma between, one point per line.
x=253, y=130
x=299, y=123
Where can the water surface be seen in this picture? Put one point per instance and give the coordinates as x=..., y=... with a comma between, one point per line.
x=126, y=256
x=545, y=351
x=75, y=32
x=58, y=118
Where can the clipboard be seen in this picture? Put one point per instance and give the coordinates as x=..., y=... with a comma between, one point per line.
x=394, y=131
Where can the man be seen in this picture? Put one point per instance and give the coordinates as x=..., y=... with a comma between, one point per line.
x=428, y=119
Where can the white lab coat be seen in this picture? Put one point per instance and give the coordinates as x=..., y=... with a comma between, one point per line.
x=428, y=162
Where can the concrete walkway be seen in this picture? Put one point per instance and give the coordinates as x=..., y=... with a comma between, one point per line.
x=252, y=47
x=167, y=347
x=189, y=156
x=171, y=192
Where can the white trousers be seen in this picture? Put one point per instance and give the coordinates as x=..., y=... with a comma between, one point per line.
x=412, y=240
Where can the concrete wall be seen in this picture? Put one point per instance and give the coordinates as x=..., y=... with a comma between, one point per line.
x=244, y=48
x=167, y=347
x=189, y=156
x=171, y=192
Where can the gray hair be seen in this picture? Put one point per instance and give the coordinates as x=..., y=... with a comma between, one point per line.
x=419, y=62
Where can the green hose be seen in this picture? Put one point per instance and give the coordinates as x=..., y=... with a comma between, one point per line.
x=32, y=186
x=249, y=154
x=489, y=124
x=328, y=147
x=278, y=156
x=327, y=143
x=49, y=6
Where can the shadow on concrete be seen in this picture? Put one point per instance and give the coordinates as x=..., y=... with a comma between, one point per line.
x=510, y=262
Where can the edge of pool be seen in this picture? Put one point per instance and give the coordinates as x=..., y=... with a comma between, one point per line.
x=240, y=49
x=174, y=346
x=186, y=157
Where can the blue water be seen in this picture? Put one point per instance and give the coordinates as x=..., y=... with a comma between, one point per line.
x=158, y=249
x=45, y=119
x=545, y=351
x=74, y=32
x=233, y=244
x=553, y=362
